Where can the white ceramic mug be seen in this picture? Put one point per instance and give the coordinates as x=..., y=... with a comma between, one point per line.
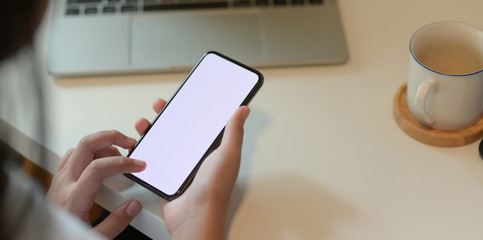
x=445, y=85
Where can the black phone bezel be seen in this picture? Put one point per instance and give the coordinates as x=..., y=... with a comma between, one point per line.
x=216, y=141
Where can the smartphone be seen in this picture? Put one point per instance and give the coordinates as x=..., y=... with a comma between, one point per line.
x=191, y=124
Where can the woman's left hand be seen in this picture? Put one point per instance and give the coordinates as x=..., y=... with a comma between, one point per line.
x=80, y=175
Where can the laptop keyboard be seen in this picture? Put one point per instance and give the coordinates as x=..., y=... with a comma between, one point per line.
x=107, y=7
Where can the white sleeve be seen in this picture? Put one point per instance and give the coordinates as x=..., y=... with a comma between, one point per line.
x=26, y=214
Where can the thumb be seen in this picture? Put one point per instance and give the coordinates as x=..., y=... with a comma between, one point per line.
x=119, y=219
x=233, y=135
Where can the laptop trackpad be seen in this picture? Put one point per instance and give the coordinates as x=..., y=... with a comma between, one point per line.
x=179, y=40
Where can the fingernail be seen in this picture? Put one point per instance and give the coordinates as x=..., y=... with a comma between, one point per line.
x=245, y=113
x=133, y=209
x=140, y=164
x=132, y=140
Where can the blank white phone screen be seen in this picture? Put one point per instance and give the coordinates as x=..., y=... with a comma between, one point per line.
x=191, y=122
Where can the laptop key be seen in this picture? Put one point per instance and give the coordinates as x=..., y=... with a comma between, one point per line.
x=90, y=11
x=174, y=6
x=317, y=1
x=109, y=9
x=261, y=3
x=279, y=2
x=241, y=3
x=297, y=2
x=129, y=8
x=84, y=1
x=72, y=12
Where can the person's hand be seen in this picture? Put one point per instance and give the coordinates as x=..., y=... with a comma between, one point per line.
x=80, y=176
x=200, y=212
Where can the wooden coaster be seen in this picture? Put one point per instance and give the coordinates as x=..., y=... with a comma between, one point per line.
x=412, y=127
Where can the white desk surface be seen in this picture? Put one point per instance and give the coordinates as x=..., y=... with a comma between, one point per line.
x=323, y=157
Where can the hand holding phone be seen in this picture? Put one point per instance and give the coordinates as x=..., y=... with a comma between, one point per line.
x=191, y=123
x=212, y=185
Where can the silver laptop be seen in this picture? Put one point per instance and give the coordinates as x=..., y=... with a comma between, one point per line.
x=92, y=37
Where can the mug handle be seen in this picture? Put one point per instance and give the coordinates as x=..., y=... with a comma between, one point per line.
x=421, y=98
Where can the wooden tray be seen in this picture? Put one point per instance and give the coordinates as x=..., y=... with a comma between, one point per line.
x=412, y=127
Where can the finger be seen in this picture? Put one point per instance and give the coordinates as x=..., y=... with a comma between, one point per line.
x=163, y=202
x=119, y=219
x=89, y=145
x=142, y=125
x=158, y=105
x=64, y=159
x=108, y=152
x=233, y=134
x=90, y=180
x=229, y=153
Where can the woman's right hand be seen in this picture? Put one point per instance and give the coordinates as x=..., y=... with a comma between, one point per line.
x=200, y=212
x=80, y=175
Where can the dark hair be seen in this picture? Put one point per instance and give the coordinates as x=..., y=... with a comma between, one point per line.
x=18, y=22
